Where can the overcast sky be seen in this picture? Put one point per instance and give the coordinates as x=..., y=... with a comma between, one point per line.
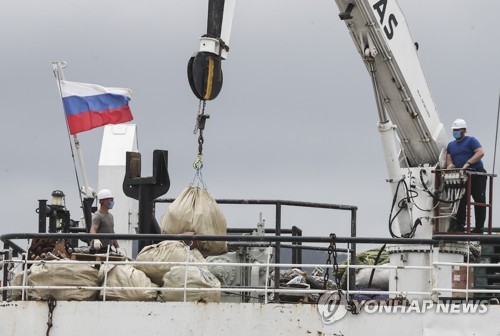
x=296, y=118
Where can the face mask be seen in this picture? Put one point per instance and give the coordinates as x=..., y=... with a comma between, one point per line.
x=457, y=134
x=111, y=205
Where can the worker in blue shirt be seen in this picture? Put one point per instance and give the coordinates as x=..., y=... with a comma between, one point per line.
x=466, y=152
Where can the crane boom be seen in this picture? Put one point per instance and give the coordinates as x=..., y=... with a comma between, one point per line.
x=381, y=35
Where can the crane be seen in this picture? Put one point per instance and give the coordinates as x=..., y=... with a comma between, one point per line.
x=425, y=195
x=412, y=134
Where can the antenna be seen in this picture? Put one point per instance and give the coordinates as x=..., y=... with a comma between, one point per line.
x=496, y=135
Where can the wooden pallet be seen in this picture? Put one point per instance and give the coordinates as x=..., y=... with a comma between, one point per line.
x=95, y=257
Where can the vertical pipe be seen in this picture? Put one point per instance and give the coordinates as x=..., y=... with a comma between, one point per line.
x=490, y=217
x=52, y=223
x=296, y=250
x=145, y=213
x=277, y=257
x=87, y=212
x=496, y=136
x=467, y=275
x=5, y=270
x=352, y=272
x=467, y=212
x=435, y=203
x=42, y=215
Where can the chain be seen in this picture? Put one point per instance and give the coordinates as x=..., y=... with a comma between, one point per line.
x=201, y=119
x=332, y=252
x=52, y=303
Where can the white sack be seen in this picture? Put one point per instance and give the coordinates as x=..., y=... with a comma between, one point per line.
x=194, y=210
x=18, y=281
x=64, y=275
x=166, y=251
x=197, y=277
x=127, y=276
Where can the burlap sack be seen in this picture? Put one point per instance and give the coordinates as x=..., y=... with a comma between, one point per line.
x=194, y=210
x=197, y=277
x=18, y=281
x=166, y=251
x=64, y=275
x=127, y=276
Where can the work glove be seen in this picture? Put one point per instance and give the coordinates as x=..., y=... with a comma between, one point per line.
x=97, y=244
x=467, y=165
x=450, y=166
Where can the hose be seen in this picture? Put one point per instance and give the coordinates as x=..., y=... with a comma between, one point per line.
x=422, y=171
x=377, y=259
x=408, y=197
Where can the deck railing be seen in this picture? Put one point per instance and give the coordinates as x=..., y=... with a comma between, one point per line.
x=9, y=263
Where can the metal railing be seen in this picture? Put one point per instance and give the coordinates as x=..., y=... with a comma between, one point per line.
x=433, y=250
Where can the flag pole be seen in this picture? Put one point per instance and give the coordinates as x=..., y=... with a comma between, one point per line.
x=58, y=67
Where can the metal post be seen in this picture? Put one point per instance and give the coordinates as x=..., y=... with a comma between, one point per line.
x=490, y=216
x=52, y=223
x=436, y=204
x=87, y=212
x=352, y=272
x=5, y=271
x=59, y=73
x=469, y=186
x=42, y=216
x=277, y=257
x=296, y=250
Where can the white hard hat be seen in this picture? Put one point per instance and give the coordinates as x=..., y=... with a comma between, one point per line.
x=459, y=123
x=103, y=194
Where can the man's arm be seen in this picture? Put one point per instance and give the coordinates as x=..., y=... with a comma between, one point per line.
x=478, y=155
x=449, y=162
x=96, y=243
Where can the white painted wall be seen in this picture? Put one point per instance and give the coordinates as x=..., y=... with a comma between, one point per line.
x=116, y=141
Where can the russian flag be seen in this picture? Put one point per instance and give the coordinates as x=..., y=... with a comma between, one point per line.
x=88, y=106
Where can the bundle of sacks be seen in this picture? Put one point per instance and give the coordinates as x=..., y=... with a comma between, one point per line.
x=174, y=276
x=59, y=273
x=193, y=211
x=141, y=281
x=54, y=271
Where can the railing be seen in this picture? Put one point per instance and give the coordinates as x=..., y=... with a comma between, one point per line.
x=462, y=178
x=278, y=205
x=264, y=291
x=489, y=197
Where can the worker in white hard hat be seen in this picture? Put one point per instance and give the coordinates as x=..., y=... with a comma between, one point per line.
x=103, y=221
x=466, y=152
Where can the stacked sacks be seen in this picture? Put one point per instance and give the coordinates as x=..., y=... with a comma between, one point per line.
x=196, y=277
x=54, y=274
x=166, y=251
x=172, y=276
x=58, y=274
x=127, y=276
x=86, y=275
